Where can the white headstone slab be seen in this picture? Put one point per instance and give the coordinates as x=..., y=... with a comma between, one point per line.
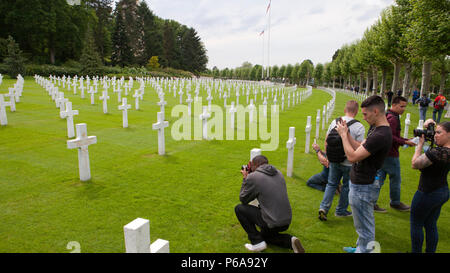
x=82, y=143
x=137, y=236
x=68, y=114
x=407, y=123
x=232, y=111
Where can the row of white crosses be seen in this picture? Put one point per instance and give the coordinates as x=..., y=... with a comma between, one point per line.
x=14, y=95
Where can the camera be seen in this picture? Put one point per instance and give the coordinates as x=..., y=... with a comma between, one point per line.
x=247, y=168
x=428, y=133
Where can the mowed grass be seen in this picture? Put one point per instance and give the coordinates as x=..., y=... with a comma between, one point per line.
x=188, y=195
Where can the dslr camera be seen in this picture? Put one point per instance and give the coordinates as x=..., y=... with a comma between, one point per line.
x=247, y=168
x=428, y=133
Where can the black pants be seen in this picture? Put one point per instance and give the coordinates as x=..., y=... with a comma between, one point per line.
x=250, y=217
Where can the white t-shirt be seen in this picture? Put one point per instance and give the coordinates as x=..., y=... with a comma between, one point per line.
x=357, y=132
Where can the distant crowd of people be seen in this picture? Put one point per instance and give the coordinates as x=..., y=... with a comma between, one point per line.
x=355, y=166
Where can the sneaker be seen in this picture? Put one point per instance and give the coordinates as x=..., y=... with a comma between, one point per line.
x=322, y=215
x=256, y=248
x=401, y=207
x=296, y=245
x=349, y=249
x=376, y=208
x=345, y=214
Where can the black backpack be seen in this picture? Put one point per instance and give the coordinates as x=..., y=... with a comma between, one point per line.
x=335, y=149
x=424, y=102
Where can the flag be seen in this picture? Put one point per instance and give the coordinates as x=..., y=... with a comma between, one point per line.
x=268, y=7
x=262, y=32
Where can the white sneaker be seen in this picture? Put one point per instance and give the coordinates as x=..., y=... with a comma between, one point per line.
x=256, y=248
x=296, y=245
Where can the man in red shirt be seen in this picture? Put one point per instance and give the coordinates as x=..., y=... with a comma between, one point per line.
x=439, y=104
x=391, y=164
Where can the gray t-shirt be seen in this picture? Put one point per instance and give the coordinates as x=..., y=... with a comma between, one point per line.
x=357, y=132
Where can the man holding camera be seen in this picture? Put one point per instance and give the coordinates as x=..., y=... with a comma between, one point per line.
x=391, y=164
x=368, y=157
x=273, y=215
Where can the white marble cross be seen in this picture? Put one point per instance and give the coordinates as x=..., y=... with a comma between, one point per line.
x=290, y=146
x=105, y=99
x=119, y=94
x=3, y=104
x=237, y=98
x=181, y=96
x=323, y=118
x=82, y=143
x=204, y=117
x=225, y=100
x=232, y=111
x=407, y=123
x=92, y=92
x=160, y=125
x=12, y=99
x=308, y=134
x=138, y=96
x=68, y=114
x=82, y=89
x=317, y=123
x=161, y=104
x=252, y=110
x=189, y=100
x=209, y=99
x=124, y=107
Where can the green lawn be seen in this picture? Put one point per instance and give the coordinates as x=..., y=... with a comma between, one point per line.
x=188, y=195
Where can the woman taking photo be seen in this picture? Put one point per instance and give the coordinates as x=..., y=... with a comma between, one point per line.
x=433, y=190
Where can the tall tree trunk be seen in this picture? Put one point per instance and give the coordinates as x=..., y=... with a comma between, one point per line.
x=334, y=82
x=395, y=80
x=383, y=82
x=426, y=77
x=368, y=83
x=443, y=79
x=407, y=80
x=361, y=82
x=375, y=80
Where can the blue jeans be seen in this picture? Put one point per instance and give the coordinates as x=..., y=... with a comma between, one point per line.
x=425, y=211
x=362, y=200
x=391, y=166
x=423, y=113
x=439, y=111
x=319, y=181
x=337, y=171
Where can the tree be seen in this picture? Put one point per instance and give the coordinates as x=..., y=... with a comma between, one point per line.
x=153, y=63
x=14, y=61
x=428, y=35
x=318, y=74
x=90, y=59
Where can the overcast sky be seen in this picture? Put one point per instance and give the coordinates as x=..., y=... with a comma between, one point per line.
x=300, y=29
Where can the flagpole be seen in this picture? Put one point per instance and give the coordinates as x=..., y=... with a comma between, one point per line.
x=262, y=72
x=268, y=44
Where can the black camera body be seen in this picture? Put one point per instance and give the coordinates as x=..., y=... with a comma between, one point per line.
x=428, y=133
x=247, y=168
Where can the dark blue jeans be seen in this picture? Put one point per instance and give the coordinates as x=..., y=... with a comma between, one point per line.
x=425, y=211
x=319, y=181
x=439, y=114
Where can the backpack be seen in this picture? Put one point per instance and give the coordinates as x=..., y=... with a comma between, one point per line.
x=441, y=102
x=424, y=102
x=335, y=149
